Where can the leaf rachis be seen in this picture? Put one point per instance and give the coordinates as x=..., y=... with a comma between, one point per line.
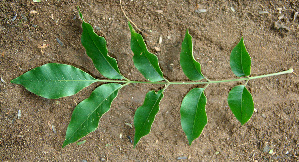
x=56, y=80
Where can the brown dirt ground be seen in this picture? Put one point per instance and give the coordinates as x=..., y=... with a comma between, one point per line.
x=273, y=126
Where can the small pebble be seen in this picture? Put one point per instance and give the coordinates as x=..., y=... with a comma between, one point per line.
x=266, y=149
x=130, y=139
x=97, y=28
x=53, y=129
x=24, y=17
x=33, y=12
x=181, y=158
x=59, y=41
x=19, y=114
x=158, y=49
x=295, y=15
x=128, y=124
x=159, y=11
x=14, y=18
x=232, y=9
x=201, y=10
x=280, y=26
x=280, y=17
x=279, y=9
x=263, y=12
x=2, y=80
x=160, y=40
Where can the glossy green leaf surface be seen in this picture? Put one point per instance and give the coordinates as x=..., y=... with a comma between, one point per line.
x=145, y=114
x=240, y=61
x=191, y=68
x=146, y=62
x=86, y=115
x=193, y=113
x=96, y=49
x=54, y=80
x=241, y=103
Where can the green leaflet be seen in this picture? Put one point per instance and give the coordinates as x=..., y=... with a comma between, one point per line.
x=145, y=114
x=54, y=80
x=86, y=115
x=241, y=103
x=240, y=61
x=193, y=113
x=144, y=61
x=190, y=67
x=96, y=49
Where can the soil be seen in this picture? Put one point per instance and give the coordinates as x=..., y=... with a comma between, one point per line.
x=33, y=34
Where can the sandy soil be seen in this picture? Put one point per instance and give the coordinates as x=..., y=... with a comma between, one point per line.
x=29, y=33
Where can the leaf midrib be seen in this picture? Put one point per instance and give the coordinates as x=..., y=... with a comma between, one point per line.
x=61, y=80
x=241, y=108
x=145, y=51
x=139, y=133
x=189, y=43
x=95, y=110
x=242, y=60
x=195, y=115
x=101, y=51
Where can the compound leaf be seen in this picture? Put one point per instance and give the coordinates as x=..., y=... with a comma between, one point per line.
x=54, y=80
x=240, y=61
x=191, y=68
x=241, y=103
x=145, y=114
x=96, y=49
x=144, y=61
x=86, y=115
x=193, y=113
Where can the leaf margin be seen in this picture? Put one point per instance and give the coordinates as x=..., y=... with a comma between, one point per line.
x=187, y=58
x=240, y=60
x=236, y=94
x=143, y=57
x=200, y=116
x=36, y=89
x=155, y=109
x=110, y=62
x=99, y=89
